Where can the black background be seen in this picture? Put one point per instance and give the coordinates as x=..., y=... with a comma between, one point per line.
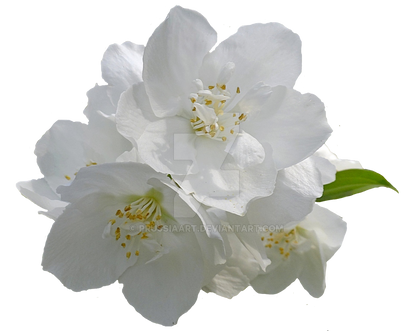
x=343, y=62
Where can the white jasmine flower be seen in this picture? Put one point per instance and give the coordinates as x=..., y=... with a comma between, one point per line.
x=205, y=118
x=119, y=225
x=295, y=192
x=68, y=146
x=301, y=251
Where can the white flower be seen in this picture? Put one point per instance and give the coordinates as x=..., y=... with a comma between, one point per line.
x=119, y=225
x=295, y=192
x=301, y=251
x=213, y=120
x=68, y=146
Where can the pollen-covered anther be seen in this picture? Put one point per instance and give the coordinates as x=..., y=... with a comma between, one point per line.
x=283, y=242
x=242, y=117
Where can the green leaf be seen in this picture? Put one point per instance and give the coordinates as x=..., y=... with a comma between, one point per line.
x=353, y=181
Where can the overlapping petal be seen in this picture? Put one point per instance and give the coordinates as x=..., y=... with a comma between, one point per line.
x=172, y=58
x=294, y=124
x=261, y=52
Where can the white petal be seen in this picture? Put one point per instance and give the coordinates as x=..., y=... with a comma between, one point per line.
x=186, y=210
x=326, y=168
x=168, y=145
x=279, y=278
x=69, y=146
x=134, y=113
x=115, y=179
x=228, y=283
x=261, y=52
x=329, y=228
x=38, y=191
x=312, y=276
x=122, y=65
x=294, y=124
x=247, y=245
x=166, y=288
x=296, y=189
x=75, y=251
x=102, y=98
x=253, y=100
x=246, y=151
x=173, y=57
x=60, y=152
x=221, y=184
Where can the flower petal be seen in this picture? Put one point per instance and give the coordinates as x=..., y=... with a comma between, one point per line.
x=173, y=57
x=164, y=289
x=122, y=65
x=261, y=52
x=38, y=191
x=279, y=278
x=134, y=113
x=190, y=213
x=75, y=251
x=168, y=145
x=247, y=245
x=117, y=179
x=69, y=146
x=329, y=228
x=228, y=283
x=221, y=184
x=296, y=189
x=294, y=124
x=313, y=274
x=246, y=150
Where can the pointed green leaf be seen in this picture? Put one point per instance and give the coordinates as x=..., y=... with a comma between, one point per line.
x=352, y=181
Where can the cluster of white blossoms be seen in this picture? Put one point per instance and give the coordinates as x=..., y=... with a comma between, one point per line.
x=197, y=170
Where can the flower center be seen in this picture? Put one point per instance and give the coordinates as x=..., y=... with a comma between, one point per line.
x=209, y=116
x=136, y=222
x=282, y=242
